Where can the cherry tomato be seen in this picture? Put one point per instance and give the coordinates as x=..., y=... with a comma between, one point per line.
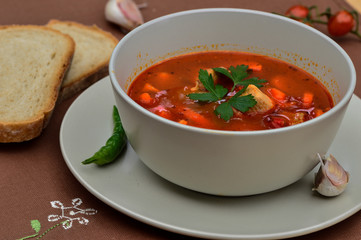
x=297, y=11
x=341, y=23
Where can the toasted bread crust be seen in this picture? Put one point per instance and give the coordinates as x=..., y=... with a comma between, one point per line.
x=88, y=79
x=93, y=72
x=29, y=127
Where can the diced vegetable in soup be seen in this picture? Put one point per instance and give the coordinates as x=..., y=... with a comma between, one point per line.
x=228, y=90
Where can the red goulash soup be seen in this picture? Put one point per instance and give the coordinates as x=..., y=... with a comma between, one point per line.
x=289, y=96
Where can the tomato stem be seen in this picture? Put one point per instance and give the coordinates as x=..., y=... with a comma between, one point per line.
x=319, y=21
x=356, y=32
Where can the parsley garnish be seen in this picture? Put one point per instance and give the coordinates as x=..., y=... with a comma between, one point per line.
x=241, y=103
x=238, y=74
x=218, y=92
x=215, y=92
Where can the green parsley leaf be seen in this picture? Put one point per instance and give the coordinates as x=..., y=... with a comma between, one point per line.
x=221, y=91
x=223, y=71
x=215, y=92
x=206, y=79
x=238, y=74
x=243, y=103
x=255, y=81
x=224, y=110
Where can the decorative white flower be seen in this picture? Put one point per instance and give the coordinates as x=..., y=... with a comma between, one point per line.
x=68, y=213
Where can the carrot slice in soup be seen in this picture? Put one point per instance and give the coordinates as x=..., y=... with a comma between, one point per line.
x=165, y=114
x=149, y=88
x=256, y=67
x=307, y=99
x=183, y=122
x=318, y=112
x=197, y=118
x=146, y=99
x=164, y=76
x=277, y=94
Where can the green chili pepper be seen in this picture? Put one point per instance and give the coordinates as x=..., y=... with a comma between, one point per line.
x=114, y=145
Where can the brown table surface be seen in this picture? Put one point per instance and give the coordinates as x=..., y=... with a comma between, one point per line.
x=34, y=174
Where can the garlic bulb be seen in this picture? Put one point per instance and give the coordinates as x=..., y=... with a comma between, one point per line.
x=125, y=13
x=331, y=179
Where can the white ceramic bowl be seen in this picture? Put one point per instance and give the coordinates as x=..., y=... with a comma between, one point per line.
x=225, y=162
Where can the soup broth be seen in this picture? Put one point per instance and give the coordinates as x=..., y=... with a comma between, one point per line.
x=288, y=96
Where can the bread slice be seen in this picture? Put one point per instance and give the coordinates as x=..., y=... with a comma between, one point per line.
x=33, y=62
x=92, y=54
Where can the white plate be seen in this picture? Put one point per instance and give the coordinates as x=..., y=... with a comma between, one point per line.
x=131, y=188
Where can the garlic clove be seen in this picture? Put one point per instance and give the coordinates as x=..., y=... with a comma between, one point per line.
x=125, y=13
x=331, y=179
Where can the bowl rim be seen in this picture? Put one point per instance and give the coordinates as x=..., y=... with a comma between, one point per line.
x=337, y=107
